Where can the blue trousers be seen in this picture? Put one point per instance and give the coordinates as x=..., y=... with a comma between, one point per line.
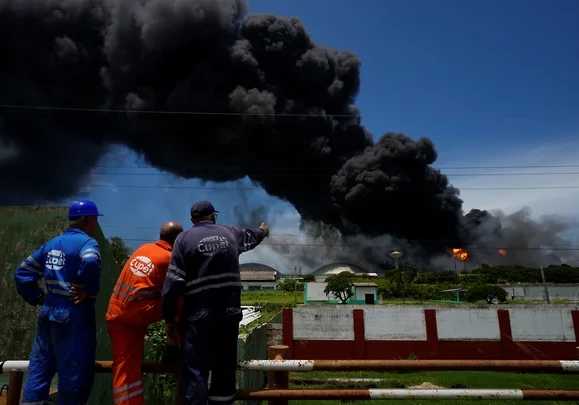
x=209, y=343
x=64, y=346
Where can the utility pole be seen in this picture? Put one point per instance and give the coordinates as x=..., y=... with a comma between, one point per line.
x=296, y=286
x=545, y=284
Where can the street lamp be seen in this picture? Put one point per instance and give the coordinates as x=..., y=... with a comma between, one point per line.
x=396, y=255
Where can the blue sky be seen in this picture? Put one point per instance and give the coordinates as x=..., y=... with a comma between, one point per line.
x=492, y=83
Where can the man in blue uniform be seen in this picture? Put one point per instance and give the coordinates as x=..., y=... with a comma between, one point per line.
x=65, y=339
x=204, y=268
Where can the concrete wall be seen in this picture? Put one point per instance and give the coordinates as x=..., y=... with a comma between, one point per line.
x=536, y=292
x=314, y=292
x=261, y=285
x=386, y=332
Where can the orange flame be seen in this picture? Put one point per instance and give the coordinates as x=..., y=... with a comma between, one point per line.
x=502, y=252
x=460, y=254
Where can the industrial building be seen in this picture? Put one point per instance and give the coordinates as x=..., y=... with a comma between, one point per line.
x=336, y=268
x=364, y=294
x=258, y=277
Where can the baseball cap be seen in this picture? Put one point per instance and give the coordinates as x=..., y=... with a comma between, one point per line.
x=202, y=208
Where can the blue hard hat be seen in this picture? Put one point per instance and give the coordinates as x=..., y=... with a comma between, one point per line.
x=83, y=208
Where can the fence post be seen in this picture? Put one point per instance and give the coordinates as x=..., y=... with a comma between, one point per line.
x=278, y=380
x=14, y=387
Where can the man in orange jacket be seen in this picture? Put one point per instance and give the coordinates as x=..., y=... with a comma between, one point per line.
x=134, y=305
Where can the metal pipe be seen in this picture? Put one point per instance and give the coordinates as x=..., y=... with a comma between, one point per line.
x=411, y=393
x=15, y=380
x=527, y=366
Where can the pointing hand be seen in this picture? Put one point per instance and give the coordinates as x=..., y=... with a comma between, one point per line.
x=265, y=228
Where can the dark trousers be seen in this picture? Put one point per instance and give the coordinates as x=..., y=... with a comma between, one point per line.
x=209, y=344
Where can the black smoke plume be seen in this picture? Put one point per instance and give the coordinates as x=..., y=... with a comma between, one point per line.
x=297, y=132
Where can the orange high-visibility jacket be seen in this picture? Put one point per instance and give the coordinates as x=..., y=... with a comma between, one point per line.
x=136, y=298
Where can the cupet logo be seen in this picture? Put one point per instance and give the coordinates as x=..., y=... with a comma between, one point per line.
x=55, y=260
x=142, y=266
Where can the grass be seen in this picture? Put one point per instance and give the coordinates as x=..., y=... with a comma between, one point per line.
x=284, y=298
x=22, y=231
x=443, y=379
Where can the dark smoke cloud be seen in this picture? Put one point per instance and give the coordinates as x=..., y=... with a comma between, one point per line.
x=208, y=56
x=247, y=214
x=528, y=242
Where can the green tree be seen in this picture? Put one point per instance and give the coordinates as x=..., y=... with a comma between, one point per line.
x=121, y=252
x=309, y=278
x=486, y=292
x=340, y=286
x=289, y=284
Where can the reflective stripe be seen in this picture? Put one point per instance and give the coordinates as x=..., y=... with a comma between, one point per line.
x=35, y=403
x=132, y=394
x=213, y=277
x=34, y=262
x=122, y=294
x=177, y=270
x=28, y=267
x=138, y=293
x=31, y=264
x=90, y=252
x=213, y=282
x=221, y=399
x=60, y=292
x=175, y=277
x=57, y=282
x=126, y=388
x=217, y=285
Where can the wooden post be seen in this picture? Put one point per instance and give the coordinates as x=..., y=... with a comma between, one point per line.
x=278, y=380
x=14, y=387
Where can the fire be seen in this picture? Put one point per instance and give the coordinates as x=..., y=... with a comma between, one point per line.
x=460, y=254
x=502, y=252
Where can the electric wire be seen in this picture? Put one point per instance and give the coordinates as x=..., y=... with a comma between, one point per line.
x=198, y=113
x=316, y=189
x=273, y=237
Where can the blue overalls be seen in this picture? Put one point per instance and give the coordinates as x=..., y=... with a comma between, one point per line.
x=65, y=338
x=205, y=269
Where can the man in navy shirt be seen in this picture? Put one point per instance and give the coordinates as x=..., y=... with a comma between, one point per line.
x=204, y=268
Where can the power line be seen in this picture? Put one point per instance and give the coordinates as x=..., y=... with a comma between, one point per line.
x=314, y=174
x=333, y=168
x=198, y=113
x=276, y=235
x=480, y=248
x=235, y=188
